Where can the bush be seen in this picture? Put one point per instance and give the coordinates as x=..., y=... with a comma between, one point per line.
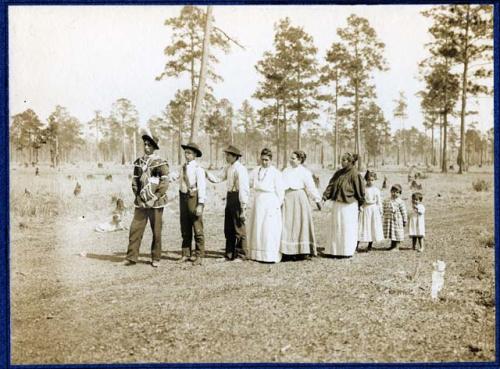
x=489, y=241
x=480, y=185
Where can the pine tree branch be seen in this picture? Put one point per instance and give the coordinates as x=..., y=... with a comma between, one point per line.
x=228, y=37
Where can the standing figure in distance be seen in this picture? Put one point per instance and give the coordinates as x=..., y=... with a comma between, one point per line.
x=264, y=226
x=298, y=238
x=149, y=184
x=347, y=191
x=192, y=195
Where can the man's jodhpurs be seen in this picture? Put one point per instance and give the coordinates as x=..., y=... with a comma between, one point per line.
x=234, y=227
x=141, y=216
x=190, y=222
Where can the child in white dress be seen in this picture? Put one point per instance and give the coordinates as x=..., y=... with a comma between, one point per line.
x=417, y=221
x=370, y=214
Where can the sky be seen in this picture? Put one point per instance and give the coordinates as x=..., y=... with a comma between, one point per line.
x=87, y=57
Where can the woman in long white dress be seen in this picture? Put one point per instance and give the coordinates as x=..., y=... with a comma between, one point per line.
x=265, y=221
x=297, y=237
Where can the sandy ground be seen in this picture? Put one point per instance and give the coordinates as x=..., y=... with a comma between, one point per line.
x=72, y=300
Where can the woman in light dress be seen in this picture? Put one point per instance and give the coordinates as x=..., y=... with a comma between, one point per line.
x=347, y=191
x=265, y=222
x=297, y=237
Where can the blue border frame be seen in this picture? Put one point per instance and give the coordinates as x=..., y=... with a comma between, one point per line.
x=5, y=349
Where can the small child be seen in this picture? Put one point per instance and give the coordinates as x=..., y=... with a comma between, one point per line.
x=370, y=215
x=395, y=217
x=417, y=221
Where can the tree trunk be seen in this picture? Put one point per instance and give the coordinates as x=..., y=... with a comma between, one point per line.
x=123, y=142
x=444, y=164
x=179, y=141
x=322, y=157
x=285, y=134
x=210, y=144
x=217, y=153
x=173, y=146
x=357, y=144
x=299, y=122
x=246, y=146
x=465, y=57
x=277, y=134
x=135, y=143
x=200, y=95
x=433, y=153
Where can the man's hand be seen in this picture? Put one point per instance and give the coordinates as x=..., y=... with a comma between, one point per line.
x=199, y=210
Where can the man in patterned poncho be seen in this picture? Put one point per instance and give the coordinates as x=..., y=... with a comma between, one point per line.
x=149, y=184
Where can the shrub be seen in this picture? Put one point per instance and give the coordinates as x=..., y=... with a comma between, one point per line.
x=480, y=185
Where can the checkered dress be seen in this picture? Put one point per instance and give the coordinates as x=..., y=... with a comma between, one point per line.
x=395, y=219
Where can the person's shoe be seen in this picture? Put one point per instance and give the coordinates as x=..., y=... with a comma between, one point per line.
x=421, y=249
x=155, y=263
x=183, y=259
x=129, y=262
x=197, y=261
x=308, y=257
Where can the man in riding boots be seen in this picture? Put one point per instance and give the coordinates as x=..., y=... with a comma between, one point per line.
x=192, y=195
x=149, y=184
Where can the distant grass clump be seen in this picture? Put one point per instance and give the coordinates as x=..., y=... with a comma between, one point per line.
x=39, y=205
x=480, y=185
x=489, y=241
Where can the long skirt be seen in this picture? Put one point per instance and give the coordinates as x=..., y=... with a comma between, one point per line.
x=297, y=236
x=343, y=229
x=370, y=224
x=264, y=228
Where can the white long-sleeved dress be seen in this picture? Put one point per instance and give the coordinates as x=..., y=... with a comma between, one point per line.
x=265, y=223
x=416, y=221
x=370, y=217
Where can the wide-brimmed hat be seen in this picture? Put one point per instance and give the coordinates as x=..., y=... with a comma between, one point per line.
x=194, y=147
x=153, y=141
x=233, y=150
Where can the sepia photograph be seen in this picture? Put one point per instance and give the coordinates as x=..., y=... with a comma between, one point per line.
x=251, y=184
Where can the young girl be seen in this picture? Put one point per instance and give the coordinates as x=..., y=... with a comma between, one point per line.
x=417, y=221
x=370, y=215
x=395, y=217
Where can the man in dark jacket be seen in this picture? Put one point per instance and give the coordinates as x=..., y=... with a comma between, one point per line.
x=149, y=184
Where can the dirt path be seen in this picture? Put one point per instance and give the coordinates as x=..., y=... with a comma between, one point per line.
x=376, y=307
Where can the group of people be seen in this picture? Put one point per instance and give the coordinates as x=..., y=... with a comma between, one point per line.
x=280, y=223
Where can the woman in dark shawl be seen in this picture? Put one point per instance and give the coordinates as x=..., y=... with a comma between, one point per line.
x=346, y=190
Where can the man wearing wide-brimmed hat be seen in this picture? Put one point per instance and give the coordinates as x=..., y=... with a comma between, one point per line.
x=149, y=184
x=238, y=192
x=192, y=195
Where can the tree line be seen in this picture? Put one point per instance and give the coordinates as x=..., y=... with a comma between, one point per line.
x=296, y=87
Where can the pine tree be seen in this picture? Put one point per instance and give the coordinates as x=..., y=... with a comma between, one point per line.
x=125, y=114
x=363, y=55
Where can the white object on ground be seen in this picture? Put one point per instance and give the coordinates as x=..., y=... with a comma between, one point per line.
x=437, y=278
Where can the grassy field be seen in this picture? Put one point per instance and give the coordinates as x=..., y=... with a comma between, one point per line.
x=72, y=300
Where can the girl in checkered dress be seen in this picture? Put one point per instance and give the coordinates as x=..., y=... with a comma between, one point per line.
x=395, y=217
